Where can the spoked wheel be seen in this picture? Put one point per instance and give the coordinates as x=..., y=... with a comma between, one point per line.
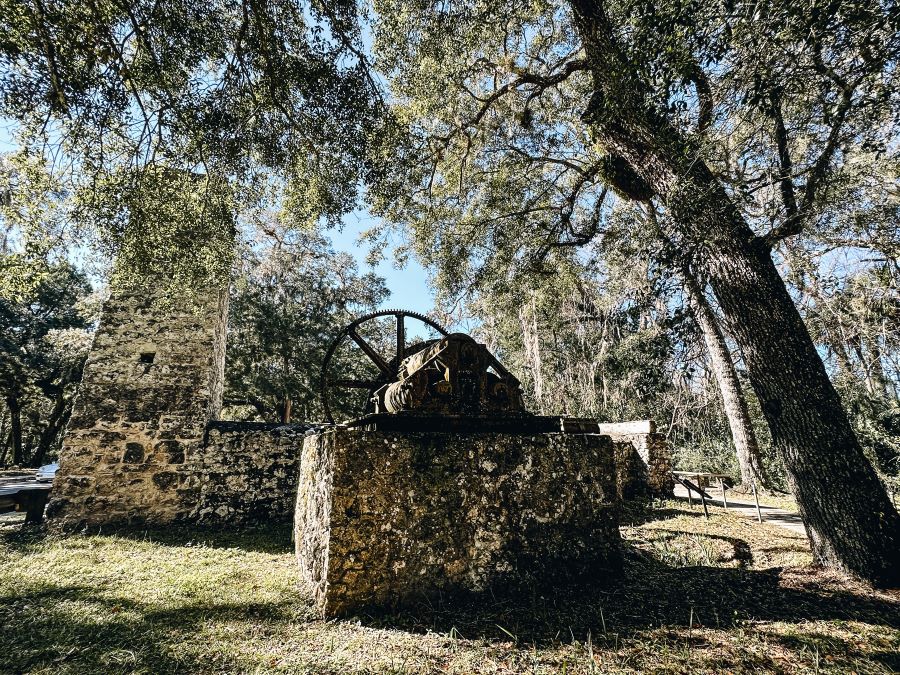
x=386, y=367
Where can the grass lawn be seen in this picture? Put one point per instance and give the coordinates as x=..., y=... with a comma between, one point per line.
x=724, y=595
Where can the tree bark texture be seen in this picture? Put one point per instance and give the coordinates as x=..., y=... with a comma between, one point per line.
x=15, y=423
x=849, y=518
x=55, y=423
x=733, y=399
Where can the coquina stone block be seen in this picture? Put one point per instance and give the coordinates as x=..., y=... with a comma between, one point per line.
x=152, y=382
x=387, y=518
x=643, y=459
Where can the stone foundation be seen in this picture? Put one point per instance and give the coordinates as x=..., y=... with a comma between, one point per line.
x=387, y=518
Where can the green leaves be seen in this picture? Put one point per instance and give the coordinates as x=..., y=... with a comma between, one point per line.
x=33, y=223
x=164, y=223
x=44, y=340
x=239, y=95
x=287, y=304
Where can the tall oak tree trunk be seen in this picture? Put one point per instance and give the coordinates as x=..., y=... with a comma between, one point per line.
x=849, y=518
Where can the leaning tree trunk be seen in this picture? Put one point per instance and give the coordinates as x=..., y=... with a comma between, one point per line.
x=849, y=518
x=733, y=399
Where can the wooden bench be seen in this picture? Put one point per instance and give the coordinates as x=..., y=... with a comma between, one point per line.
x=25, y=494
x=700, y=479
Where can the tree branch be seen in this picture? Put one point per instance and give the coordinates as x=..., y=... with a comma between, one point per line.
x=540, y=82
x=794, y=225
x=704, y=97
x=785, y=165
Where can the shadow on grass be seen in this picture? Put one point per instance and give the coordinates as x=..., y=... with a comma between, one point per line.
x=648, y=595
x=275, y=538
x=72, y=625
x=74, y=628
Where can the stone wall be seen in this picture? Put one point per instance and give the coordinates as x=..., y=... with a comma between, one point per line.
x=643, y=459
x=632, y=478
x=657, y=455
x=247, y=473
x=151, y=383
x=385, y=518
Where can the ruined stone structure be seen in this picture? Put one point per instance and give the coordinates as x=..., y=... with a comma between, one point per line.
x=643, y=460
x=383, y=514
x=138, y=447
x=385, y=518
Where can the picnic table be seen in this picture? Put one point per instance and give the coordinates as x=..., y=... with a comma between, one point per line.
x=696, y=480
x=23, y=493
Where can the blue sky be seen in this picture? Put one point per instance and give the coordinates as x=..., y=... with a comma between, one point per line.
x=409, y=285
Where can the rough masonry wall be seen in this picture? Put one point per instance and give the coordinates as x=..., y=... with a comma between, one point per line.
x=632, y=477
x=656, y=454
x=385, y=518
x=247, y=473
x=151, y=383
x=644, y=468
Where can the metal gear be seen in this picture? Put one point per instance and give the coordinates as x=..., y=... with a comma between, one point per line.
x=387, y=369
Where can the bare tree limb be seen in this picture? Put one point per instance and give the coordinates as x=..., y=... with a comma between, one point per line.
x=540, y=82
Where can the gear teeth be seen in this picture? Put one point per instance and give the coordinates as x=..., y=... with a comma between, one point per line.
x=323, y=385
x=394, y=311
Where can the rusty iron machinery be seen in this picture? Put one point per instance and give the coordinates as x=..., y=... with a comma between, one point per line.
x=452, y=375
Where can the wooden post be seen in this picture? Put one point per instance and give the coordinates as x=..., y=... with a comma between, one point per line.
x=703, y=501
x=756, y=499
x=724, y=496
x=33, y=503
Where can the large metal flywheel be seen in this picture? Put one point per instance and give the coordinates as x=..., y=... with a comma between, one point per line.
x=386, y=366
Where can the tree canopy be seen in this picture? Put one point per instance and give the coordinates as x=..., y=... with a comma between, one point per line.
x=790, y=105
x=255, y=97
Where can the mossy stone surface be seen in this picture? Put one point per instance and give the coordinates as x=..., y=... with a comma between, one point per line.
x=384, y=518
